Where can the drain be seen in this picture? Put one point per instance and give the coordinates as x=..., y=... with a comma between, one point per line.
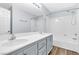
x=65, y=34
x=74, y=38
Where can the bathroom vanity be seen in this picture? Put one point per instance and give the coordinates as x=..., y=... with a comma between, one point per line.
x=34, y=44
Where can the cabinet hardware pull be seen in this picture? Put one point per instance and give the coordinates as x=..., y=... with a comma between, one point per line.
x=24, y=54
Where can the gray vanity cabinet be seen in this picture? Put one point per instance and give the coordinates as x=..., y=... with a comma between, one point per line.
x=40, y=47
x=31, y=49
x=49, y=43
x=20, y=53
x=42, y=51
x=41, y=43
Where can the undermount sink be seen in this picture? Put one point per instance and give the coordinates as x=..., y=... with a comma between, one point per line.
x=15, y=42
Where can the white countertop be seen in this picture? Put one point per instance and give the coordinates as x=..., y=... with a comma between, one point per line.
x=8, y=46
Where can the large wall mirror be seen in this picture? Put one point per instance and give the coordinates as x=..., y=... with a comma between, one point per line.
x=20, y=18
x=14, y=18
x=24, y=18
x=4, y=18
x=21, y=22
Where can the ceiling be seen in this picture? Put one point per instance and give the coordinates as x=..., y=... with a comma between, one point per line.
x=33, y=10
x=55, y=7
x=5, y=5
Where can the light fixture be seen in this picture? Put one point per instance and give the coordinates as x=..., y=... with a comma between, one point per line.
x=57, y=20
x=37, y=5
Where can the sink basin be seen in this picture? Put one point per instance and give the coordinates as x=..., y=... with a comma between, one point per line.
x=14, y=42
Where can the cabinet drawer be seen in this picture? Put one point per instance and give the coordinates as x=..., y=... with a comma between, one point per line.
x=27, y=50
x=21, y=53
x=42, y=51
x=41, y=43
x=31, y=50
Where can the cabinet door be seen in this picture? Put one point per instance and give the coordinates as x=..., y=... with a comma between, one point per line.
x=41, y=43
x=42, y=51
x=49, y=43
x=32, y=50
x=21, y=53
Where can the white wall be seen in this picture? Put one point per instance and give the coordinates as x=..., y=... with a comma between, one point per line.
x=4, y=20
x=19, y=18
x=77, y=21
x=40, y=24
x=33, y=25
x=61, y=23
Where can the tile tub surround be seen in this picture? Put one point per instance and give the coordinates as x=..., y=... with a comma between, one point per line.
x=31, y=38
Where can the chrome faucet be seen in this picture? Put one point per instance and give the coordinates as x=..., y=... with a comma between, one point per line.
x=40, y=32
x=12, y=37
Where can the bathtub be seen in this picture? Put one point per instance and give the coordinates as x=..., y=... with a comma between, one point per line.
x=66, y=42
